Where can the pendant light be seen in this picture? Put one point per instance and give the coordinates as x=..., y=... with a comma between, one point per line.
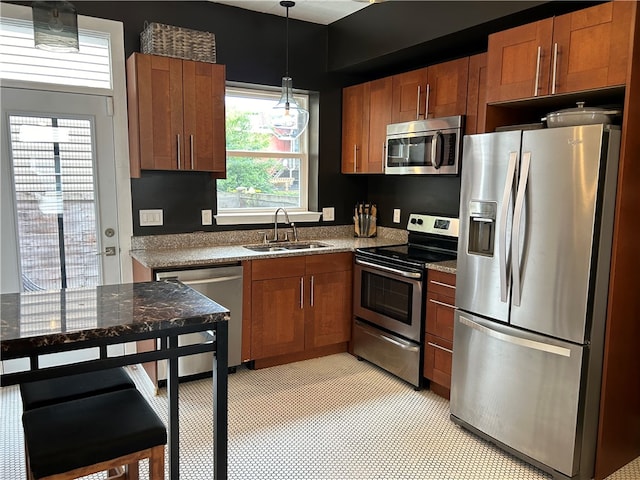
x=288, y=119
x=55, y=26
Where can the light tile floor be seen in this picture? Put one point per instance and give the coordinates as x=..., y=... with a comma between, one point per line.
x=323, y=419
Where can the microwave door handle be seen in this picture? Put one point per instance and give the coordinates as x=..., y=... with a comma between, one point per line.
x=504, y=211
x=435, y=160
x=517, y=217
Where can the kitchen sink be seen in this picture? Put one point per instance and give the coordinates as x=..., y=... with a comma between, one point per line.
x=279, y=247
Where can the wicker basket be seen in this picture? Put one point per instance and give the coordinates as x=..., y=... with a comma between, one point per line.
x=170, y=41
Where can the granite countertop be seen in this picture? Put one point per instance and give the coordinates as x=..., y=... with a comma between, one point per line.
x=201, y=249
x=38, y=319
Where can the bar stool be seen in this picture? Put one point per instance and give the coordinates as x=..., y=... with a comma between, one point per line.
x=80, y=437
x=56, y=390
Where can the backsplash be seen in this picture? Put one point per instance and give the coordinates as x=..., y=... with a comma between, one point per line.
x=240, y=237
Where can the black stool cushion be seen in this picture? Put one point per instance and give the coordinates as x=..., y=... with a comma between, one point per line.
x=62, y=389
x=90, y=430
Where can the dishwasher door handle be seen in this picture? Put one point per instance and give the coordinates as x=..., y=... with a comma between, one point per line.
x=203, y=281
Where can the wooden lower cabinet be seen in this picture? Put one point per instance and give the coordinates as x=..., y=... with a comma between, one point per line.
x=300, y=307
x=438, y=350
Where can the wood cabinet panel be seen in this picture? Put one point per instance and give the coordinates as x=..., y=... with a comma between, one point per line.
x=584, y=50
x=448, y=88
x=300, y=304
x=440, y=311
x=328, y=317
x=593, y=47
x=355, y=115
x=380, y=98
x=176, y=114
x=514, y=64
x=277, y=326
x=408, y=93
x=437, y=360
x=441, y=282
x=476, y=95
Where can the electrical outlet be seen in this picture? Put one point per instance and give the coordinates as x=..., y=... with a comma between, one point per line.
x=207, y=218
x=328, y=214
x=151, y=218
x=396, y=215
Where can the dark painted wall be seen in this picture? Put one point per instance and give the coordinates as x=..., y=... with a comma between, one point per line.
x=379, y=40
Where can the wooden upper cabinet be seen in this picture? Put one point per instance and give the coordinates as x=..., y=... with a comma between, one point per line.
x=440, y=90
x=519, y=61
x=379, y=117
x=593, y=47
x=409, y=96
x=355, y=119
x=176, y=114
x=583, y=50
x=366, y=112
x=476, y=95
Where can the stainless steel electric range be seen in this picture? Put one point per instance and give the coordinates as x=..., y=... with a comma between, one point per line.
x=389, y=295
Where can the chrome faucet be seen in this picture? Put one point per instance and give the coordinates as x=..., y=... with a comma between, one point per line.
x=291, y=224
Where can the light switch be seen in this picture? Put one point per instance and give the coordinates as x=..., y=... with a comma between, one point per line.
x=328, y=214
x=207, y=218
x=396, y=215
x=151, y=218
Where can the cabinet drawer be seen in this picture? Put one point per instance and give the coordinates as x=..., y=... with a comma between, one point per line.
x=277, y=268
x=437, y=360
x=329, y=262
x=441, y=282
x=439, y=316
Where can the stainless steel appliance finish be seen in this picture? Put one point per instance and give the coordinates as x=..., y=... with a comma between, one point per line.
x=389, y=295
x=536, y=219
x=424, y=147
x=223, y=285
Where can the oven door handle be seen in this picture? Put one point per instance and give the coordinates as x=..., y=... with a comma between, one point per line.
x=389, y=269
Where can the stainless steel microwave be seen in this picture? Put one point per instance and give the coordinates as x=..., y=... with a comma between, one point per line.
x=424, y=147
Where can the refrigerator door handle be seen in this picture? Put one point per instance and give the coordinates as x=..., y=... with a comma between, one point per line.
x=504, y=251
x=517, y=217
x=522, y=342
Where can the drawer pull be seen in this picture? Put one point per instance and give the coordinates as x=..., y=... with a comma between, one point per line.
x=442, y=303
x=439, y=347
x=442, y=284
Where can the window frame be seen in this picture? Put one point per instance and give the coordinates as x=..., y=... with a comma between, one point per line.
x=236, y=216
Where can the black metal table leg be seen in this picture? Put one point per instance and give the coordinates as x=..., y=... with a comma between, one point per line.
x=172, y=397
x=220, y=400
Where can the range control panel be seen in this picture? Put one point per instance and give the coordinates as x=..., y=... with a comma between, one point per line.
x=419, y=222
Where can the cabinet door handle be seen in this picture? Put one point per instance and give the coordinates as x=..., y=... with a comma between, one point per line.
x=442, y=284
x=538, y=57
x=555, y=68
x=418, y=105
x=442, y=303
x=355, y=158
x=312, y=291
x=439, y=347
x=191, y=146
x=179, y=160
x=426, y=102
x=301, y=293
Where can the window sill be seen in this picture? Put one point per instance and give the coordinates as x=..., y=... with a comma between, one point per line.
x=256, y=218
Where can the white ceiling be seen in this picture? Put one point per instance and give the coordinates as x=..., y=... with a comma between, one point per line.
x=317, y=11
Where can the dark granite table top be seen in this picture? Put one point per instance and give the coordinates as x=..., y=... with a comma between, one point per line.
x=36, y=319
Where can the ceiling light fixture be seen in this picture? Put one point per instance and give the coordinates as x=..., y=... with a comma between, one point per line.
x=288, y=119
x=55, y=26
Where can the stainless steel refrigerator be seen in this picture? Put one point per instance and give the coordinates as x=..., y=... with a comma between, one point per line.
x=536, y=218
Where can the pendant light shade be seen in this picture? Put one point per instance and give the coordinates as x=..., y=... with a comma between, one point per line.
x=288, y=119
x=55, y=26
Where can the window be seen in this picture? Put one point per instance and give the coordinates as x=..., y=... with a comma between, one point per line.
x=263, y=172
x=19, y=60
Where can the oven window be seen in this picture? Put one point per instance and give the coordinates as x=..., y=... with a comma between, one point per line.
x=387, y=296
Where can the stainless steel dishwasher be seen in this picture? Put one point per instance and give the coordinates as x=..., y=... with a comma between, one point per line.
x=223, y=285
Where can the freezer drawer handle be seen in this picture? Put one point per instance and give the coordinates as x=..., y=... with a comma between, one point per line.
x=523, y=342
x=517, y=217
x=442, y=303
x=439, y=347
x=508, y=189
